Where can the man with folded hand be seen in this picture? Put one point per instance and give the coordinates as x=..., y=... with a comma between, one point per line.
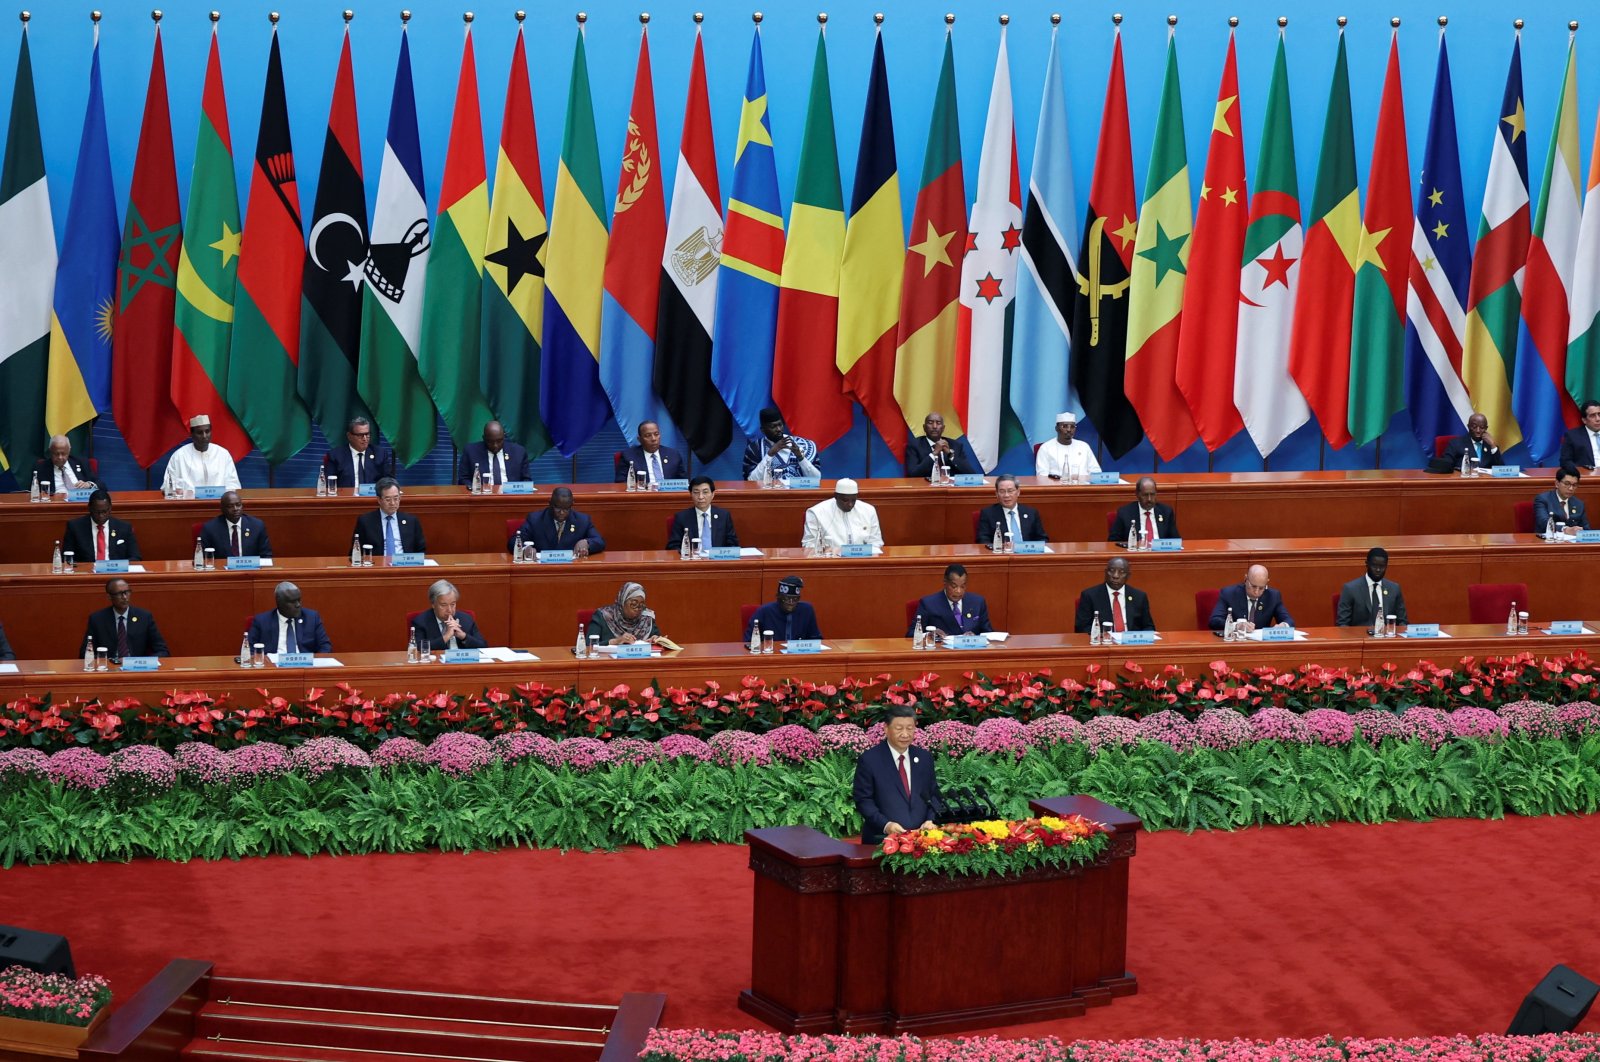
x=788, y=618
x=122, y=629
x=289, y=628
x=442, y=627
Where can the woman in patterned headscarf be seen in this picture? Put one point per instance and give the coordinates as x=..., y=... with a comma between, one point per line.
x=626, y=621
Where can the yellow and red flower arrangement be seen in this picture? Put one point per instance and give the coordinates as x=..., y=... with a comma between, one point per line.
x=995, y=847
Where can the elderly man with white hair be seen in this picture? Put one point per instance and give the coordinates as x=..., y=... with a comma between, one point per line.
x=199, y=463
x=1065, y=457
x=60, y=471
x=842, y=520
x=442, y=627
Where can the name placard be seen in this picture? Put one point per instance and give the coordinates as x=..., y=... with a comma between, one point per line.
x=211, y=493
x=631, y=651
x=723, y=553
x=406, y=560
x=1281, y=633
x=556, y=556
x=1589, y=535
x=855, y=549
x=674, y=484
x=1031, y=545
x=967, y=479
x=1136, y=638
x=804, y=482
x=803, y=645
x=461, y=656
x=1104, y=479
x=1167, y=545
x=966, y=641
x=111, y=567
x=243, y=564
x=366, y=490
x=1566, y=626
x=296, y=660
x=141, y=663
x=517, y=486
x=79, y=494
x=1421, y=630
x=1505, y=471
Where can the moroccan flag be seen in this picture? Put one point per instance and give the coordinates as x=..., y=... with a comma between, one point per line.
x=1439, y=271
x=1160, y=266
x=806, y=381
x=1265, y=395
x=263, y=363
x=752, y=259
x=1539, y=385
x=570, y=397
x=1494, y=296
x=1211, y=297
x=1319, y=348
x=869, y=272
x=1378, y=328
x=513, y=298
x=447, y=357
x=1100, y=311
x=396, y=272
x=147, y=268
x=1583, y=334
x=27, y=276
x=930, y=288
x=86, y=280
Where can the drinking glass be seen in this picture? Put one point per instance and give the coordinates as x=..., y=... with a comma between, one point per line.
x=366, y=556
x=766, y=642
x=102, y=657
x=211, y=558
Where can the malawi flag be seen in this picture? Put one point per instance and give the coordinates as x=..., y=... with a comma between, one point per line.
x=1319, y=349
x=263, y=364
x=1378, y=326
x=208, y=273
x=152, y=239
x=513, y=297
x=448, y=355
x=806, y=382
x=930, y=286
x=1100, y=311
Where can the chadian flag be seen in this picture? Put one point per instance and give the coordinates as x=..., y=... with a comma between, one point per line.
x=147, y=269
x=452, y=307
x=1539, y=385
x=1378, y=324
x=264, y=357
x=1583, y=334
x=208, y=273
x=79, y=384
x=989, y=281
x=1319, y=347
x=1211, y=302
x=1441, y=266
x=1160, y=267
x=513, y=262
x=806, y=381
x=869, y=272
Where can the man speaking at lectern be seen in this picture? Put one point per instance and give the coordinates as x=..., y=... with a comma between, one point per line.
x=895, y=787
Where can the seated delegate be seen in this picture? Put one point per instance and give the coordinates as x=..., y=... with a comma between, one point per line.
x=626, y=620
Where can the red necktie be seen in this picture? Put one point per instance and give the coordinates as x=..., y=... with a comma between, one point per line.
x=905, y=775
x=100, y=542
x=235, y=532
x=1117, y=623
x=1149, y=527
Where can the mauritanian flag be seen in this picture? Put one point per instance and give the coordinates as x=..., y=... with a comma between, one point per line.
x=1160, y=266
x=1583, y=342
x=1319, y=348
x=1211, y=297
x=265, y=352
x=208, y=273
x=513, y=297
x=1494, y=297
x=447, y=357
x=1378, y=325
x=806, y=382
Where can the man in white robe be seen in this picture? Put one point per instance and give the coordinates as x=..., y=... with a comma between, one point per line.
x=1065, y=458
x=842, y=520
x=198, y=463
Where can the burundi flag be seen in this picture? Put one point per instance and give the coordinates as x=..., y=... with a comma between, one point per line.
x=1160, y=267
x=1440, y=269
x=570, y=397
x=1494, y=295
x=1583, y=342
x=396, y=272
x=451, y=311
x=1041, y=348
x=752, y=262
x=27, y=275
x=806, y=381
x=1539, y=385
x=263, y=364
x=1377, y=337
x=86, y=280
x=513, y=298
x=1264, y=393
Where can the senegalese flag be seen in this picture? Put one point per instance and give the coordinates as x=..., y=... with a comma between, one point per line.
x=86, y=279
x=513, y=298
x=448, y=355
x=570, y=396
x=1583, y=342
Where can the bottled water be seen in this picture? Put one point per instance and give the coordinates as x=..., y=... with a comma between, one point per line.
x=631, y=487
x=1511, y=621
x=244, y=650
x=1378, y=628
x=477, y=479
x=1230, y=628
x=355, y=551
x=998, y=544
x=516, y=549
x=1094, y=630
x=199, y=556
x=1550, y=529
x=683, y=546
x=581, y=647
x=755, y=637
x=55, y=559
x=413, y=654
x=1466, y=467
x=322, y=482
x=33, y=491
x=1133, y=535
x=88, y=655
x=919, y=637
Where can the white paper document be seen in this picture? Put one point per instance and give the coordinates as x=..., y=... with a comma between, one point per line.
x=750, y=551
x=502, y=655
x=8, y=669
x=997, y=636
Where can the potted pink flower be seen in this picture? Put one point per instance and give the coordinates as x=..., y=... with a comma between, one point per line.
x=49, y=1014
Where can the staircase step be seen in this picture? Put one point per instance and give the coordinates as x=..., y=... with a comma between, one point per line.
x=246, y=1051
x=415, y=1004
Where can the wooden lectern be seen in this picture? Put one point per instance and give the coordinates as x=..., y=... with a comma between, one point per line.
x=841, y=946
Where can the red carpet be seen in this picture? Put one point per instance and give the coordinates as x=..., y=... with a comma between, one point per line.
x=1394, y=930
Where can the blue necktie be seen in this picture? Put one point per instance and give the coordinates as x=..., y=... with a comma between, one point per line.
x=390, y=545
x=705, y=530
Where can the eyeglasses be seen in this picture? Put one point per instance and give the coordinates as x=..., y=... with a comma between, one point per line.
x=359, y=434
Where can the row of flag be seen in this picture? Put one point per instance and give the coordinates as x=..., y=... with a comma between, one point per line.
x=1155, y=319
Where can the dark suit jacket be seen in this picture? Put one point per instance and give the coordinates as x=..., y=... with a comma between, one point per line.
x=1461, y=445
x=801, y=623
x=427, y=625
x=1355, y=606
x=1032, y=525
x=369, y=529
x=46, y=473
x=1575, y=448
x=919, y=457
x=253, y=540
x=6, y=652
x=672, y=466
x=722, y=531
x=935, y=613
x=477, y=454
x=1166, y=522
x=1135, y=609
x=880, y=798
x=309, y=634
x=79, y=539
x=541, y=530
x=1549, y=503
x=1269, y=610
x=377, y=463
x=144, y=639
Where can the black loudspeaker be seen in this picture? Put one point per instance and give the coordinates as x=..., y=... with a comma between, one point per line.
x=1556, y=1005
x=48, y=952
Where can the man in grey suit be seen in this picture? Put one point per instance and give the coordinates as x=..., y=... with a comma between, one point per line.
x=1359, y=599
